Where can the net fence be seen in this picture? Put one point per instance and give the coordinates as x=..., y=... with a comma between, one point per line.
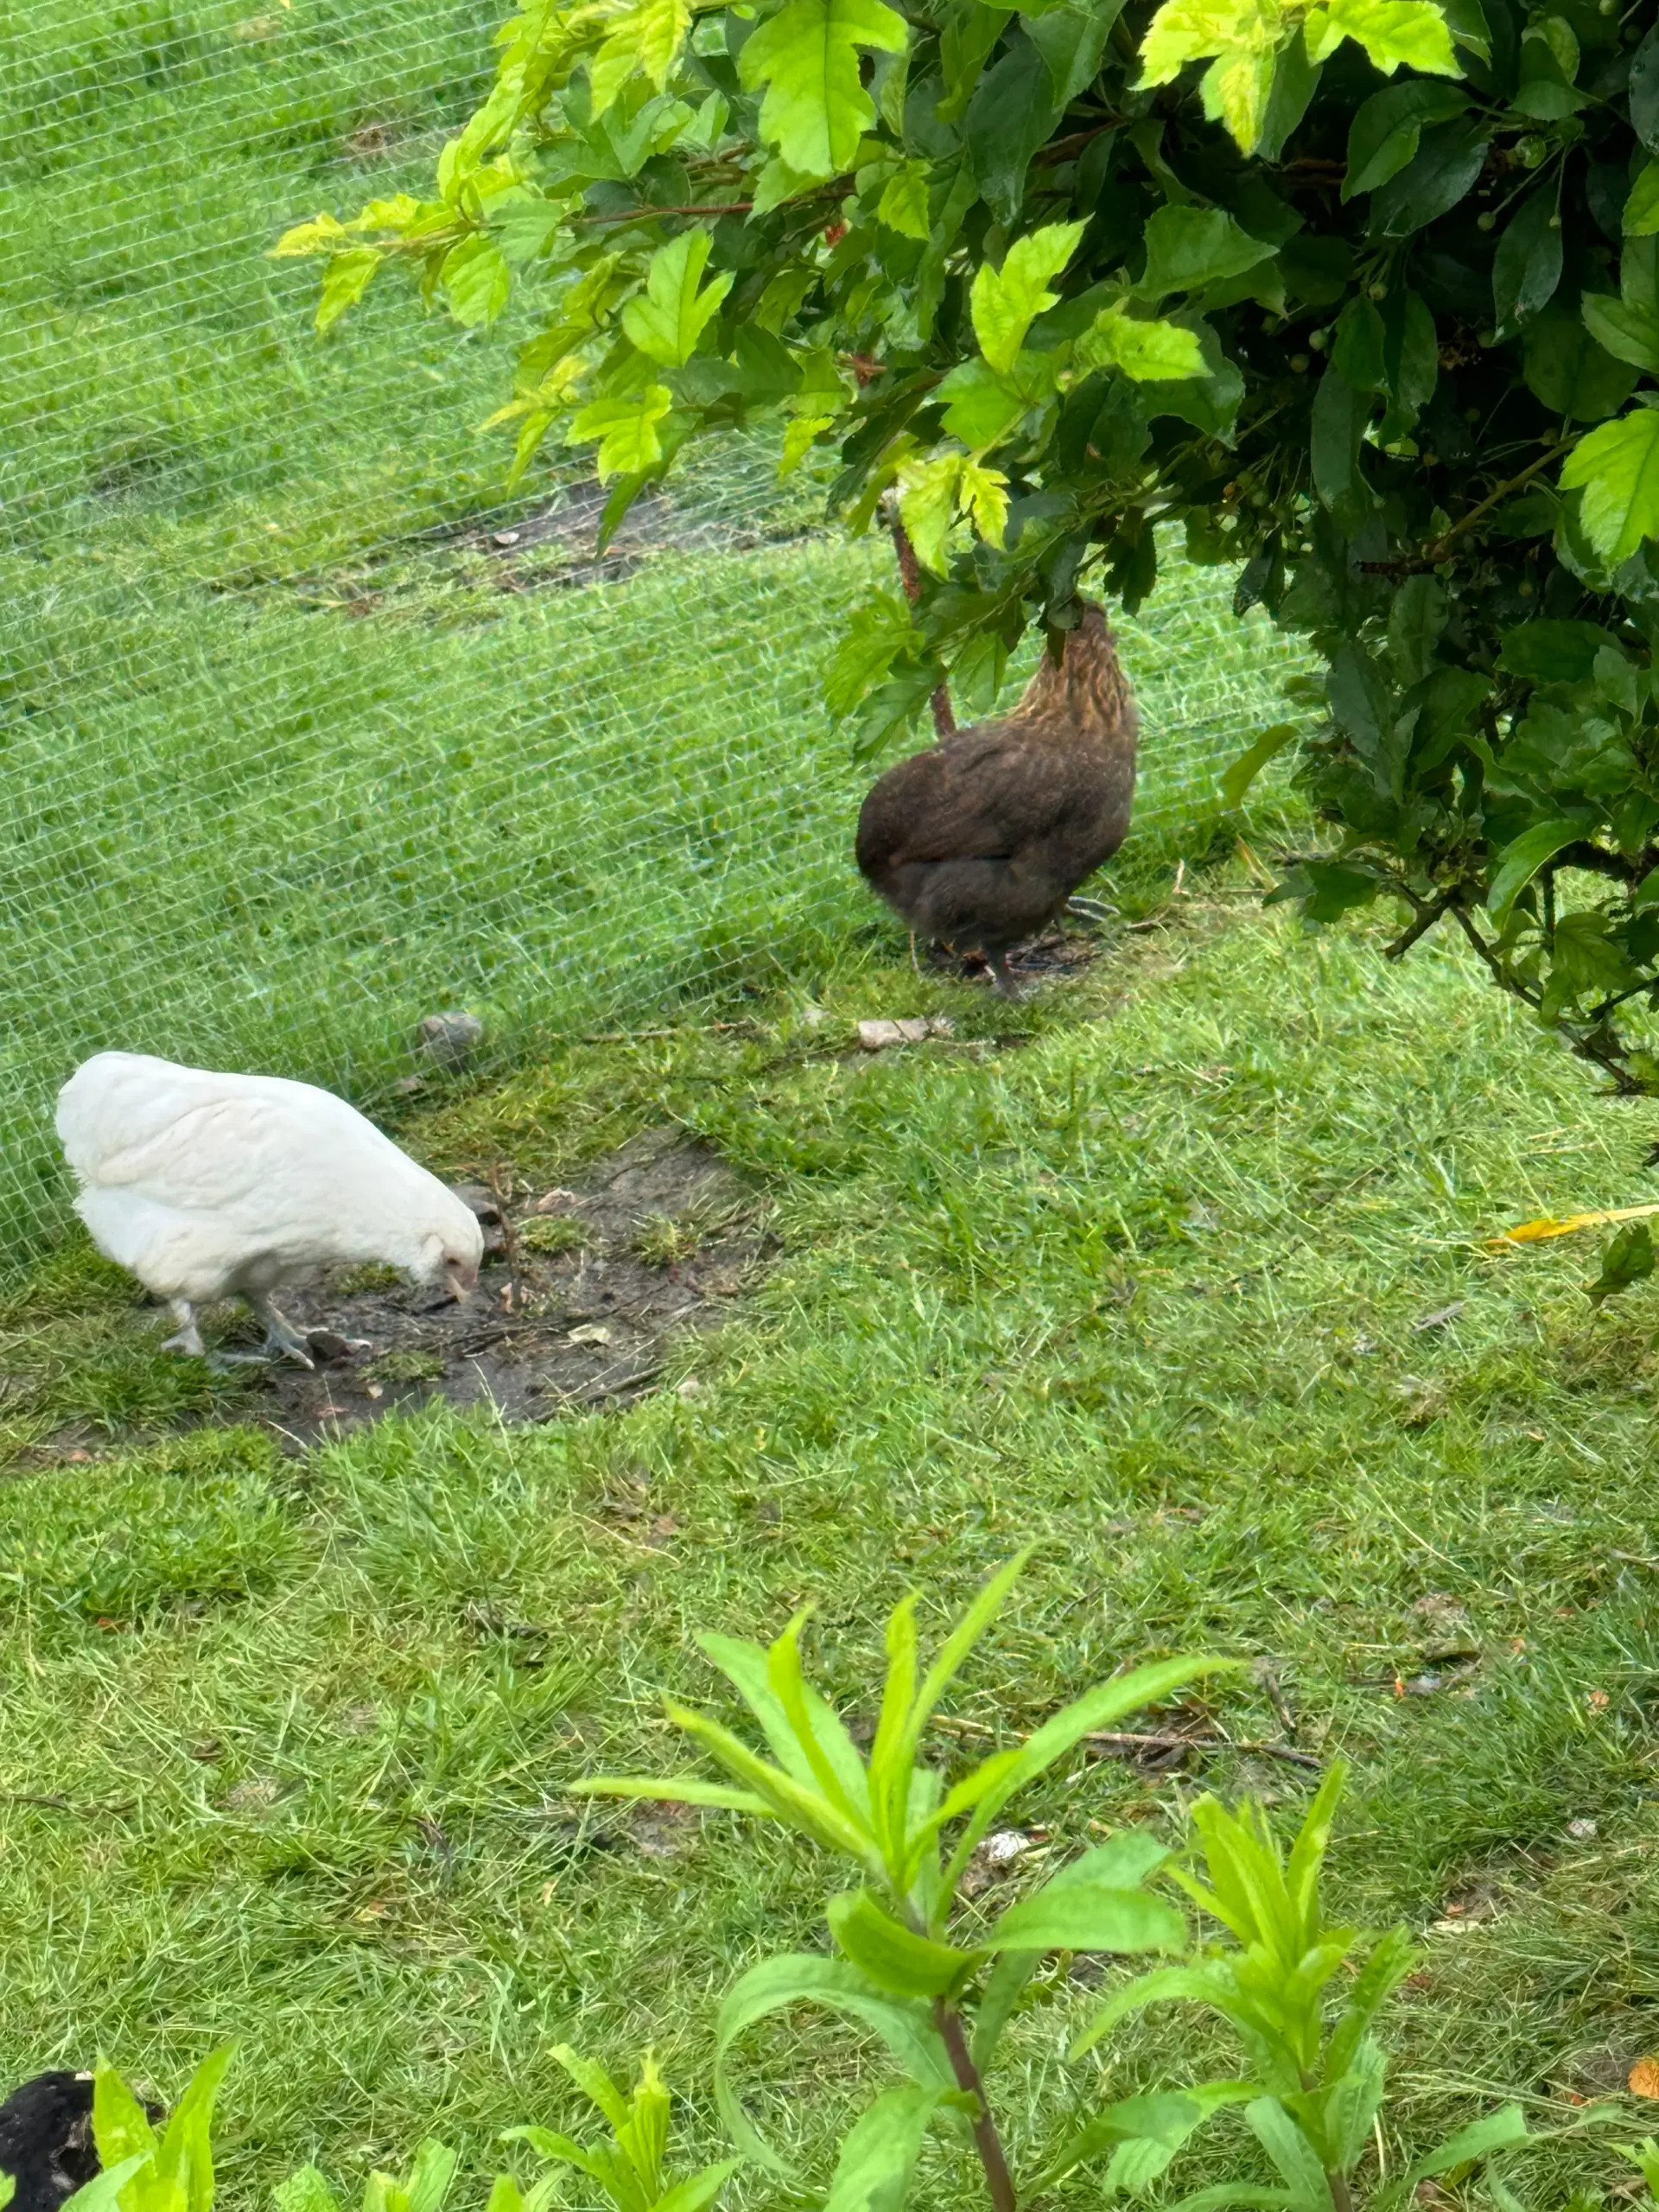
x=305, y=733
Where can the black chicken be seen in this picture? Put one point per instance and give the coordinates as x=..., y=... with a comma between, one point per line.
x=979, y=841
x=46, y=2140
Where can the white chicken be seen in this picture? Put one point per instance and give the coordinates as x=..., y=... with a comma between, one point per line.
x=209, y=1186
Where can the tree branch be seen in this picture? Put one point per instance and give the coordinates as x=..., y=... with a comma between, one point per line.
x=998, y=2180
x=909, y=576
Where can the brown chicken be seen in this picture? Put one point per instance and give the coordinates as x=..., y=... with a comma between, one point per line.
x=979, y=841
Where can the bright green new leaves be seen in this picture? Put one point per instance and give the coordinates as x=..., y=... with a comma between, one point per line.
x=807, y=56
x=1151, y=353
x=933, y=495
x=626, y=430
x=1616, y=468
x=645, y=41
x=1395, y=34
x=667, y=323
x=1249, y=45
x=174, y=2173
x=629, y=2167
x=477, y=282
x=903, y=203
x=1006, y=302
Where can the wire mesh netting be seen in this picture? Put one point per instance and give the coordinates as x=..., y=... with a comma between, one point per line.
x=306, y=735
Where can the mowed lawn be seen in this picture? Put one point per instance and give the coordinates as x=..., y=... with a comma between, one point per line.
x=1184, y=1288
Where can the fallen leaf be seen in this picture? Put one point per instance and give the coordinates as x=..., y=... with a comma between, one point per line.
x=1597, y=1700
x=1581, y=1831
x=555, y=1201
x=1535, y=1232
x=1642, y=2080
x=590, y=1333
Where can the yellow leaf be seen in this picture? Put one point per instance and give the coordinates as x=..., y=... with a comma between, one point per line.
x=1547, y=1225
x=1643, y=2078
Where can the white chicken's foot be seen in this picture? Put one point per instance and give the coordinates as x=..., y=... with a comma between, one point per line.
x=187, y=1338
x=281, y=1337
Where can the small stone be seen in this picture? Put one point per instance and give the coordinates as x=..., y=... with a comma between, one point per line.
x=556, y=1201
x=449, y=1040
x=914, y=1029
x=588, y=1333
x=689, y=1388
x=505, y=537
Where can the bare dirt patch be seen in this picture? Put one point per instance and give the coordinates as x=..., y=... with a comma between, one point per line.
x=581, y=1293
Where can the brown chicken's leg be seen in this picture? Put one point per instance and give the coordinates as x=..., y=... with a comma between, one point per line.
x=1002, y=976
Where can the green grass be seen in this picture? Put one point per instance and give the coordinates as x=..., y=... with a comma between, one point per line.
x=291, y=758
x=285, y=1739
x=1145, y=1290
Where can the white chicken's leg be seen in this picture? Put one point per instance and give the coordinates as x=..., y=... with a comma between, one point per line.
x=280, y=1336
x=187, y=1337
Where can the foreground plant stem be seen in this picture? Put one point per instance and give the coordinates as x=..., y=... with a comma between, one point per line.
x=986, y=2141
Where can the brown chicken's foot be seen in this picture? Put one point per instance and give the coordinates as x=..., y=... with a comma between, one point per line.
x=1092, y=910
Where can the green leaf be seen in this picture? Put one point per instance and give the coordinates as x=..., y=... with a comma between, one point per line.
x=1554, y=652
x=1241, y=773
x=1628, y=333
x=1417, y=621
x=1565, y=368
x=775, y=1985
x=879, y=2151
x=1006, y=301
x=1412, y=33
x=698, y=2190
x=879, y=632
x=1189, y=247
x=1527, y=267
x=306, y=2189
x=1442, y=173
x=1521, y=860
x=904, y=205
x=476, y=281
x=103, y=2192
x=1012, y=114
x=433, y=2171
x=1340, y=415
x=1291, y=2153
x=121, y=2127
x=1087, y=1918
x=1097, y=1708
x=184, y=2162
x=345, y=282
x=1495, y=2133
x=1640, y=217
x=1352, y=2104
x=1357, y=348
x=1003, y=1989
x=982, y=407
x=815, y=108
x=894, y=1956
x=644, y=40
x=1200, y=1984
x=1386, y=128
x=1617, y=470
x=626, y=429
x=669, y=1789
x=1150, y=352
x=667, y=323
